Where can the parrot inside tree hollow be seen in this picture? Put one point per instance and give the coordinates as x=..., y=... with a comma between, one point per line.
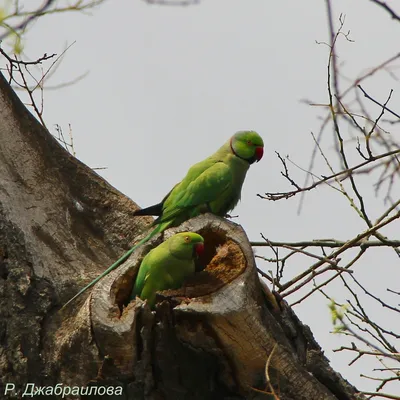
x=167, y=265
x=212, y=185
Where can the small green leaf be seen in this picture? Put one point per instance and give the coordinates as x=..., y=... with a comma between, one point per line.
x=340, y=329
x=18, y=46
x=3, y=14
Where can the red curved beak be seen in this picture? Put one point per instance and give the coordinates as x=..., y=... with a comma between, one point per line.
x=199, y=249
x=259, y=153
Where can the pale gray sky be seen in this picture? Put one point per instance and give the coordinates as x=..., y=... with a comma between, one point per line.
x=168, y=85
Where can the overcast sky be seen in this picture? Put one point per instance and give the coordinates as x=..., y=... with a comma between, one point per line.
x=167, y=86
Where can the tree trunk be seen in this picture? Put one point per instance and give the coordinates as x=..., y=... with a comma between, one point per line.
x=222, y=336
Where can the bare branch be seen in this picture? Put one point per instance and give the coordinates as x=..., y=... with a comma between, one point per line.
x=377, y=102
x=46, y=9
x=325, y=179
x=388, y=9
x=329, y=243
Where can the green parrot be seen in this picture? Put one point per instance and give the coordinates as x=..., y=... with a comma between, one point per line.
x=167, y=265
x=212, y=185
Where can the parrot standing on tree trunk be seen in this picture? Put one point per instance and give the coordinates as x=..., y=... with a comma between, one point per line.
x=167, y=265
x=212, y=185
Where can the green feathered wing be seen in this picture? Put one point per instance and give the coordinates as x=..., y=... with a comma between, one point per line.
x=203, y=189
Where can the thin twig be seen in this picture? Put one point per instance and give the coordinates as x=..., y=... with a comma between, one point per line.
x=377, y=102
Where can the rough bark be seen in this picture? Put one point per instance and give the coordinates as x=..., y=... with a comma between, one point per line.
x=61, y=225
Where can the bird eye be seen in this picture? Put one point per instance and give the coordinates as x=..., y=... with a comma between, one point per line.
x=187, y=239
x=249, y=142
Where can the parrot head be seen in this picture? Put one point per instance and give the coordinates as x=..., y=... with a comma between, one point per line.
x=247, y=145
x=186, y=245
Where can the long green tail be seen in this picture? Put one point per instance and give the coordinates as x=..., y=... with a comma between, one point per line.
x=160, y=228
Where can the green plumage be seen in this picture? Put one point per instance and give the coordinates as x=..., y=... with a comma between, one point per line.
x=167, y=265
x=212, y=185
